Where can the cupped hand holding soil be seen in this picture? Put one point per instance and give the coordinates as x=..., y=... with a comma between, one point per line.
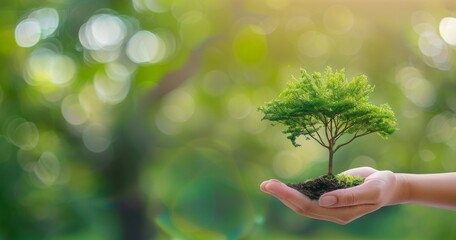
x=380, y=188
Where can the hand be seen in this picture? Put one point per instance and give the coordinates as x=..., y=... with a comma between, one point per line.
x=380, y=188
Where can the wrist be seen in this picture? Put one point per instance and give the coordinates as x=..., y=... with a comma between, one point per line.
x=401, y=189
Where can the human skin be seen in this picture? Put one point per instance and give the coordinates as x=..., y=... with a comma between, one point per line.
x=380, y=188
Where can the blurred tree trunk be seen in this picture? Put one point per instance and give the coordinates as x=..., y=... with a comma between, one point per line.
x=131, y=146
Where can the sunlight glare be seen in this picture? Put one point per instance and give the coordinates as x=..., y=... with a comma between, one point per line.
x=447, y=28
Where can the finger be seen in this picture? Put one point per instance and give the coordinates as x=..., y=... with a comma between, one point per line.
x=361, y=171
x=263, y=184
x=294, y=200
x=304, y=206
x=342, y=215
x=289, y=196
x=281, y=190
x=345, y=215
x=298, y=202
x=366, y=193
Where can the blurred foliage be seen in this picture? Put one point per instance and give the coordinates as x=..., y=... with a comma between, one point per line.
x=136, y=119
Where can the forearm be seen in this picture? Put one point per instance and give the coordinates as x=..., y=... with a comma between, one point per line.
x=436, y=190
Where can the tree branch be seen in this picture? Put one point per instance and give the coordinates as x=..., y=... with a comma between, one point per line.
x=318, y=134
x=176, y=78
x=346, y=127
x=334, y=128
x=320, y=142
x=326, y=130
x=338, y=127
x=321, y=117
x=337, y=121
x=331, y=121
x=353, y=138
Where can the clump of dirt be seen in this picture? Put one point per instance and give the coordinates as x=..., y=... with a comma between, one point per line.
x=316, y=187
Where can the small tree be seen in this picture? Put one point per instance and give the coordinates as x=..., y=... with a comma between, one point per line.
x=326, y=107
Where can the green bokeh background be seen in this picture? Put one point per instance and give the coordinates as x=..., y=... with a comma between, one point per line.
x=160, y=139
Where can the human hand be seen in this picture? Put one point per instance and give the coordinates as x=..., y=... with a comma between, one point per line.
x=380, y=188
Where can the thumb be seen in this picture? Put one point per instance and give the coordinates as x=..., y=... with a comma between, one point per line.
x=361, y=194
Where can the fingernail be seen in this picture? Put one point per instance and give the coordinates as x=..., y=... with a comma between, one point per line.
x=263, y=186
x=327, y=201
x=266, y=189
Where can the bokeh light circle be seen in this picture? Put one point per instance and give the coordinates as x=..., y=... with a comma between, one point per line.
x=23, y=134
x=28, y=33
x=447, y=28
x=47, y=169
x=48, y=19
x=96, y=138
x=145, y=47
x=72, y=110
x=103, y=32
x=40, y=24
x=45, y=67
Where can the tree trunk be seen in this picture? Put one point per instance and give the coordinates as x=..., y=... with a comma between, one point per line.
x=330, y=165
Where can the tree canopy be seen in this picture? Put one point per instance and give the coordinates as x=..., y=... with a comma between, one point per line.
x=325, y=107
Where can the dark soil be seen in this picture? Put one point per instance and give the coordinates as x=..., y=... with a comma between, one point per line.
x=316, y=187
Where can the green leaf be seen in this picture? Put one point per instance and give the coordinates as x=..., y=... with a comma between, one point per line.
x=325, y=107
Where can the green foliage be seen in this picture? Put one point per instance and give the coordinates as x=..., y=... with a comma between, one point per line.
x=157, y=163
x=325, y=107
x=349, y=180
